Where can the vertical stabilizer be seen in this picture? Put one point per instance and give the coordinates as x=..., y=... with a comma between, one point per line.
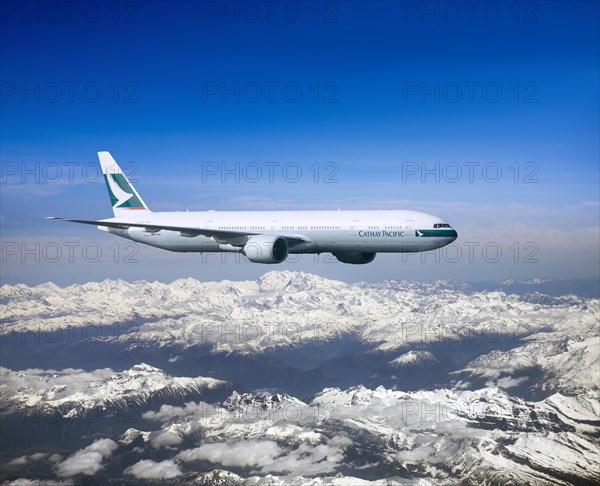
x=123, y=196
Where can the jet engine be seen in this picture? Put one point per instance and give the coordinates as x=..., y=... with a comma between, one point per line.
x=355, y=257
x=266, y=249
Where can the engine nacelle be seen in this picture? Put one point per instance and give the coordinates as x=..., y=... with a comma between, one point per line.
x=266, y=249
x=355, y=257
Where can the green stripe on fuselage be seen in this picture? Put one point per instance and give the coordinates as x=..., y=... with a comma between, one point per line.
x=445, y=233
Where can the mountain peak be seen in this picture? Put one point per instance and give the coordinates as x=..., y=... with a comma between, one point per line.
x=145, y=368
x=279, y=280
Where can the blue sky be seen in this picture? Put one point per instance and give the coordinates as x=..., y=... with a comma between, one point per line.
x=371, y=94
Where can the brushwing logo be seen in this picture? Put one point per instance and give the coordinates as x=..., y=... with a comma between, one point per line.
x=121, y=193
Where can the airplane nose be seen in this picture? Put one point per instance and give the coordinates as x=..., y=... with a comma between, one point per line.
x=453, y=234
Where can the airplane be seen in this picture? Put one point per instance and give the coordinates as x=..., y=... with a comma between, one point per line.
x=352, y=236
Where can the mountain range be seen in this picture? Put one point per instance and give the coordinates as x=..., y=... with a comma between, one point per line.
x=295, y=378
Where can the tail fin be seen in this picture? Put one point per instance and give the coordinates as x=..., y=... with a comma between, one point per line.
x=123, y=195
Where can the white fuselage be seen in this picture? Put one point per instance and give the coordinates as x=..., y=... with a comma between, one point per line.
x=388, y=231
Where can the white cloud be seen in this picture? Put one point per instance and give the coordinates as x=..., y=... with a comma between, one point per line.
x=309, y=460
x=508, y=381
x=590, y=203
x=21, y=461
x=253, y=453
x=148, y=469
x=55, y=458
x=419, y=455
x=168, y=412
x=164, y=439
x=37, y=482
x=87, y=461
x=267, y=456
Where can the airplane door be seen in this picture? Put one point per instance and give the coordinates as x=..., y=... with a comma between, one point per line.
x=355, y=239
x=410, y=228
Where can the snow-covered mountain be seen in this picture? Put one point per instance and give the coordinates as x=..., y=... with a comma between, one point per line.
x=585, y=287
x=482, y=436
x=346, y=334
x=75, y=392
x=281, y=309
x=297, y=379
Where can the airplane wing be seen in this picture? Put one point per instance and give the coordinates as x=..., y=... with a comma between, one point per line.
x=221, y=236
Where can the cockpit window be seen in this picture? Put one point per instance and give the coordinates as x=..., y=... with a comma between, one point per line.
x=441, y=225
